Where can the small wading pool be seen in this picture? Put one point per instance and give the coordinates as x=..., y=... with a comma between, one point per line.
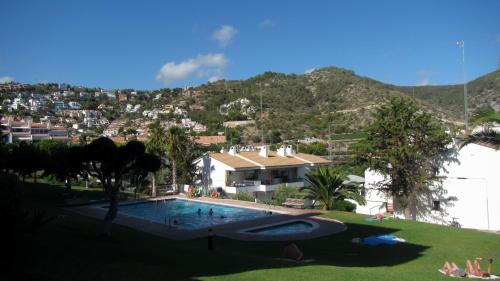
x=184, y=213
x=283, y=228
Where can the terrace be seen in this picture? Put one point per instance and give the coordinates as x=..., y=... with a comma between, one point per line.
x=262, y=180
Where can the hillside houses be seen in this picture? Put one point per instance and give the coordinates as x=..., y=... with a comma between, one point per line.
x=12, y=86
x=132, y=108
x=26, y=130
x=187, y=123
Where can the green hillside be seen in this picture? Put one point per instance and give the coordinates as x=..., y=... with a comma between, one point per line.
x=297, y=106
x=483, y=91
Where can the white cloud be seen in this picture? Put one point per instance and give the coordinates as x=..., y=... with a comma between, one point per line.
x=209, y=65
x=6, y=79
x=214, y=78
x=423, y=82
x=424, y=77
x=267, y=23
x=224, y=35
x=309, y=71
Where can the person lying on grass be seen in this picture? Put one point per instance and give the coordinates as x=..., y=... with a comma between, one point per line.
x=452, y=269
x=475, y=269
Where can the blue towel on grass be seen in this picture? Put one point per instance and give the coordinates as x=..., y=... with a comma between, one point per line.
x=382, y=239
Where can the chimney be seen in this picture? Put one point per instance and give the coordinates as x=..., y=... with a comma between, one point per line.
x=281, y=151
x=264, y=151
x=290, y=151
x=232, y=150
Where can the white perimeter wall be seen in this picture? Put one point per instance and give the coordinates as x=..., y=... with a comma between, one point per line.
x=472, y=190
x=475, y=181
x=374, y=198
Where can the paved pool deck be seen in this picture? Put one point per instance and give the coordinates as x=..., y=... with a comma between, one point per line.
x=229, y=230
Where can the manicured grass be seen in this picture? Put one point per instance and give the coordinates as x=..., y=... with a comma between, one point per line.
x=69, y=248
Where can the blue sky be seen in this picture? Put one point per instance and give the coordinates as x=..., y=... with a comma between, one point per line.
x=155, y=44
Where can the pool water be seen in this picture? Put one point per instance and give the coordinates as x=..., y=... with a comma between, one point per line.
x=284, y=229
x=184, y=213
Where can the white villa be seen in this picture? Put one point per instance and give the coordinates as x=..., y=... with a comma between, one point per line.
x=259, y=172
x=469, y=192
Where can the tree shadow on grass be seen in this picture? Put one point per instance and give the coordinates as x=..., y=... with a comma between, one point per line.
x=233, y=256
x=54, y=195
x=70, y=249
x=338, y=249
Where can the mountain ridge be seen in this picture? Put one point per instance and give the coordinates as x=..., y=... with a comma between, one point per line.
x=299, y=105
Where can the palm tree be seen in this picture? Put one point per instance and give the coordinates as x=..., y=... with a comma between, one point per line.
x=187, y=169
x=176, y=144
x=485, y=117
x=327, y=187
x=487, y=135
x=157, y=145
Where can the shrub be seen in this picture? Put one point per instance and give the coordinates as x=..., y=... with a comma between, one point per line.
x=285, y=192
x=243, y=196
x=342, y=205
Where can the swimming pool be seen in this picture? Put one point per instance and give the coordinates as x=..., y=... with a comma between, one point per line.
x=283, y=228
x=184, y=213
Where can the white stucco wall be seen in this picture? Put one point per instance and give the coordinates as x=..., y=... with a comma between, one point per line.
x=375, y=199
x=213, y=172
x=475, y=181
x=471, y=190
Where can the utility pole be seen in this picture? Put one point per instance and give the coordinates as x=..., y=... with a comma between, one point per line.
x=329, y=141
x=261, y=122
x=461, y=44
x=225, y=135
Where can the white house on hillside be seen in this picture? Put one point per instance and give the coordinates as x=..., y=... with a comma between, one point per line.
x=257, y=172
x=469, y=192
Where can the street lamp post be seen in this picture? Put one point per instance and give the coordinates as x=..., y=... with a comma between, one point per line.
x=461, y=44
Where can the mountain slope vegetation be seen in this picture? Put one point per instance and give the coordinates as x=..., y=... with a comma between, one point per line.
x=298, y=106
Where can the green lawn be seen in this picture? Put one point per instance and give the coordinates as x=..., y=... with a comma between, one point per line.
x=69, y=248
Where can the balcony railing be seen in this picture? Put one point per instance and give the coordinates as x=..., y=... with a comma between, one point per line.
x=256, y=185
x=275, y=181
